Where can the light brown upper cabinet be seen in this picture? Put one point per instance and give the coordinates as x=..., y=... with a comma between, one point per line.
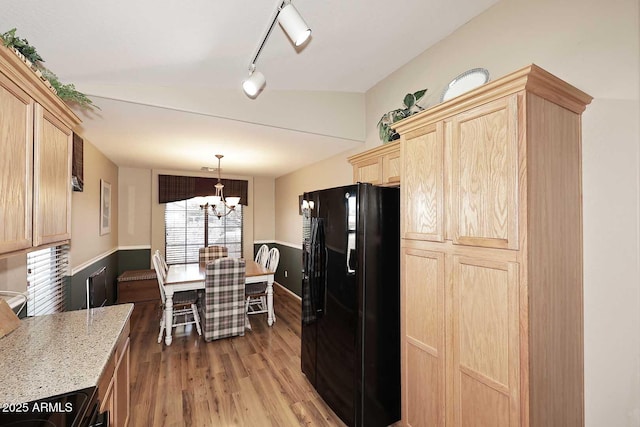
x=484, y=174
x=491, y=255
x=52, y=178
x=423, y=184
x=378, y=166
x=35, y=154
x=16, y=165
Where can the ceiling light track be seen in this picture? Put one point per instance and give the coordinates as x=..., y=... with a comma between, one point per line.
x=296, y=29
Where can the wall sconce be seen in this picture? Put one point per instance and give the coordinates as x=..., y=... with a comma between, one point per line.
x=307, y=207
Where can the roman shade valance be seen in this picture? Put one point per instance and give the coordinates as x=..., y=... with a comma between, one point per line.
x=172, y=188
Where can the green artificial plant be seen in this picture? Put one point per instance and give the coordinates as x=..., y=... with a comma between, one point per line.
x=410, y=102
x=66, y=92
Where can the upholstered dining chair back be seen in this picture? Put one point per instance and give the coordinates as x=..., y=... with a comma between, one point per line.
x=224, y=309
x=211, y=253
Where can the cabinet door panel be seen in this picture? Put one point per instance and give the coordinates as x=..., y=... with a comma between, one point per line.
x=122, y=388
x=370, y=172
x=52, y=175
x=422, y=184
x=424, y=341
x=16, y=134
x=391, y=168
x=486, y=342
x=485, y=175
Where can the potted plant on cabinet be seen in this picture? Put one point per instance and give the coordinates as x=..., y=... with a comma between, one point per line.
x=67, y=92
x=410, y=102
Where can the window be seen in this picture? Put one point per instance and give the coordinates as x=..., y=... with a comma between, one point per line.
x=46, y=271
x=184, y=231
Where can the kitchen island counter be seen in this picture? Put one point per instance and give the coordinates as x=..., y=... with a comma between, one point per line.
x=59, y=353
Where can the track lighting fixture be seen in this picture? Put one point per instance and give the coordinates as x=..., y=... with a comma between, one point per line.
x=293, y=24
x=296, y=29
x=254, y=83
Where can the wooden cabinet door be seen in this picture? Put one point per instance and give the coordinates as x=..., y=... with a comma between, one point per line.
x=422, y=184
x=108, y=403
x=391, y=168
x=16, y=163
x=121, y=377
x=52, y=179
x=423, y=346
x=369, y=171
x=485, y=343
x=485, y=175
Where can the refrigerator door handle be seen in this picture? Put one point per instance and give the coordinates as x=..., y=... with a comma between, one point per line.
x=351, y=257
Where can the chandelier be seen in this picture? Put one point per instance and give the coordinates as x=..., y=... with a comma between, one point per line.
x=220, y=206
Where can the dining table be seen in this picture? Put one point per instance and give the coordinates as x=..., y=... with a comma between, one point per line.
x=191, y=277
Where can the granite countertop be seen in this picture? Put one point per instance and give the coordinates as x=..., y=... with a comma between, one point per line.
x=58, y=353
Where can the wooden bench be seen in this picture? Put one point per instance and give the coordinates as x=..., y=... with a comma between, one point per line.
x=138, y=286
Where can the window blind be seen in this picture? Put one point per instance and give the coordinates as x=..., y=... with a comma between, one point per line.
x=46, y=273
x=184, y=231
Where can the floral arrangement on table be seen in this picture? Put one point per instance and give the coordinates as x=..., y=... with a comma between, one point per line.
x=410, y=102
x=28, y=53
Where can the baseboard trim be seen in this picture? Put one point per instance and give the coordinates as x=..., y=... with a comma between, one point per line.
x=288, y=290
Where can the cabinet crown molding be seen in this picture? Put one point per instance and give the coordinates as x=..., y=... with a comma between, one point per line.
x=375, y=152
x=531, y=78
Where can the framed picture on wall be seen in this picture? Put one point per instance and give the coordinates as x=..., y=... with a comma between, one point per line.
x=105, y=207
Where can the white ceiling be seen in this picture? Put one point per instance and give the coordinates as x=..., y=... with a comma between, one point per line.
x=167, y=74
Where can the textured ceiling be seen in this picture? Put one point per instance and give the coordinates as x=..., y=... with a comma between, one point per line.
x=168, y=74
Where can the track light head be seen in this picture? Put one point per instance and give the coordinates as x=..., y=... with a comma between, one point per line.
x=254, y=84
x=293, y=24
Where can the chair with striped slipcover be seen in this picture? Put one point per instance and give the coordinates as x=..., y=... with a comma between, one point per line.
x=211, y=253
x=225, y=312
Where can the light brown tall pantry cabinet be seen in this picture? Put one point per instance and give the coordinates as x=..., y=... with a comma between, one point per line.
x=491, y=282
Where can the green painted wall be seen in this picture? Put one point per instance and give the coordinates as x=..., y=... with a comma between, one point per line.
x=116, y=263
x=77, y=291
x=134, y=259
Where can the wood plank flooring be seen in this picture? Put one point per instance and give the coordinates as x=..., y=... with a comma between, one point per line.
x=253, y=380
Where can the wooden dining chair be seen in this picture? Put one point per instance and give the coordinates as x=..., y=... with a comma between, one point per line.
x=224, y=309
x=211, y=253
x=185, y=308
x=262, y=255
x=256, y=293
x=163, y=263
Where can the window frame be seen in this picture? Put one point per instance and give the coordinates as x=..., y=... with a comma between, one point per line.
x=193, y=236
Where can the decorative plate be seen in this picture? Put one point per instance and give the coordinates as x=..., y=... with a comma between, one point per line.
x=466, y=81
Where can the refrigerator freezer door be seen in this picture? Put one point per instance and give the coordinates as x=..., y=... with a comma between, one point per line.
x=313, y=285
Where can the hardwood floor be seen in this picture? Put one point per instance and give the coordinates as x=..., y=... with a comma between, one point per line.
x=254, y=380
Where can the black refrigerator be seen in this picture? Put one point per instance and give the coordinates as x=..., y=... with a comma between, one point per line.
x=351, y=301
